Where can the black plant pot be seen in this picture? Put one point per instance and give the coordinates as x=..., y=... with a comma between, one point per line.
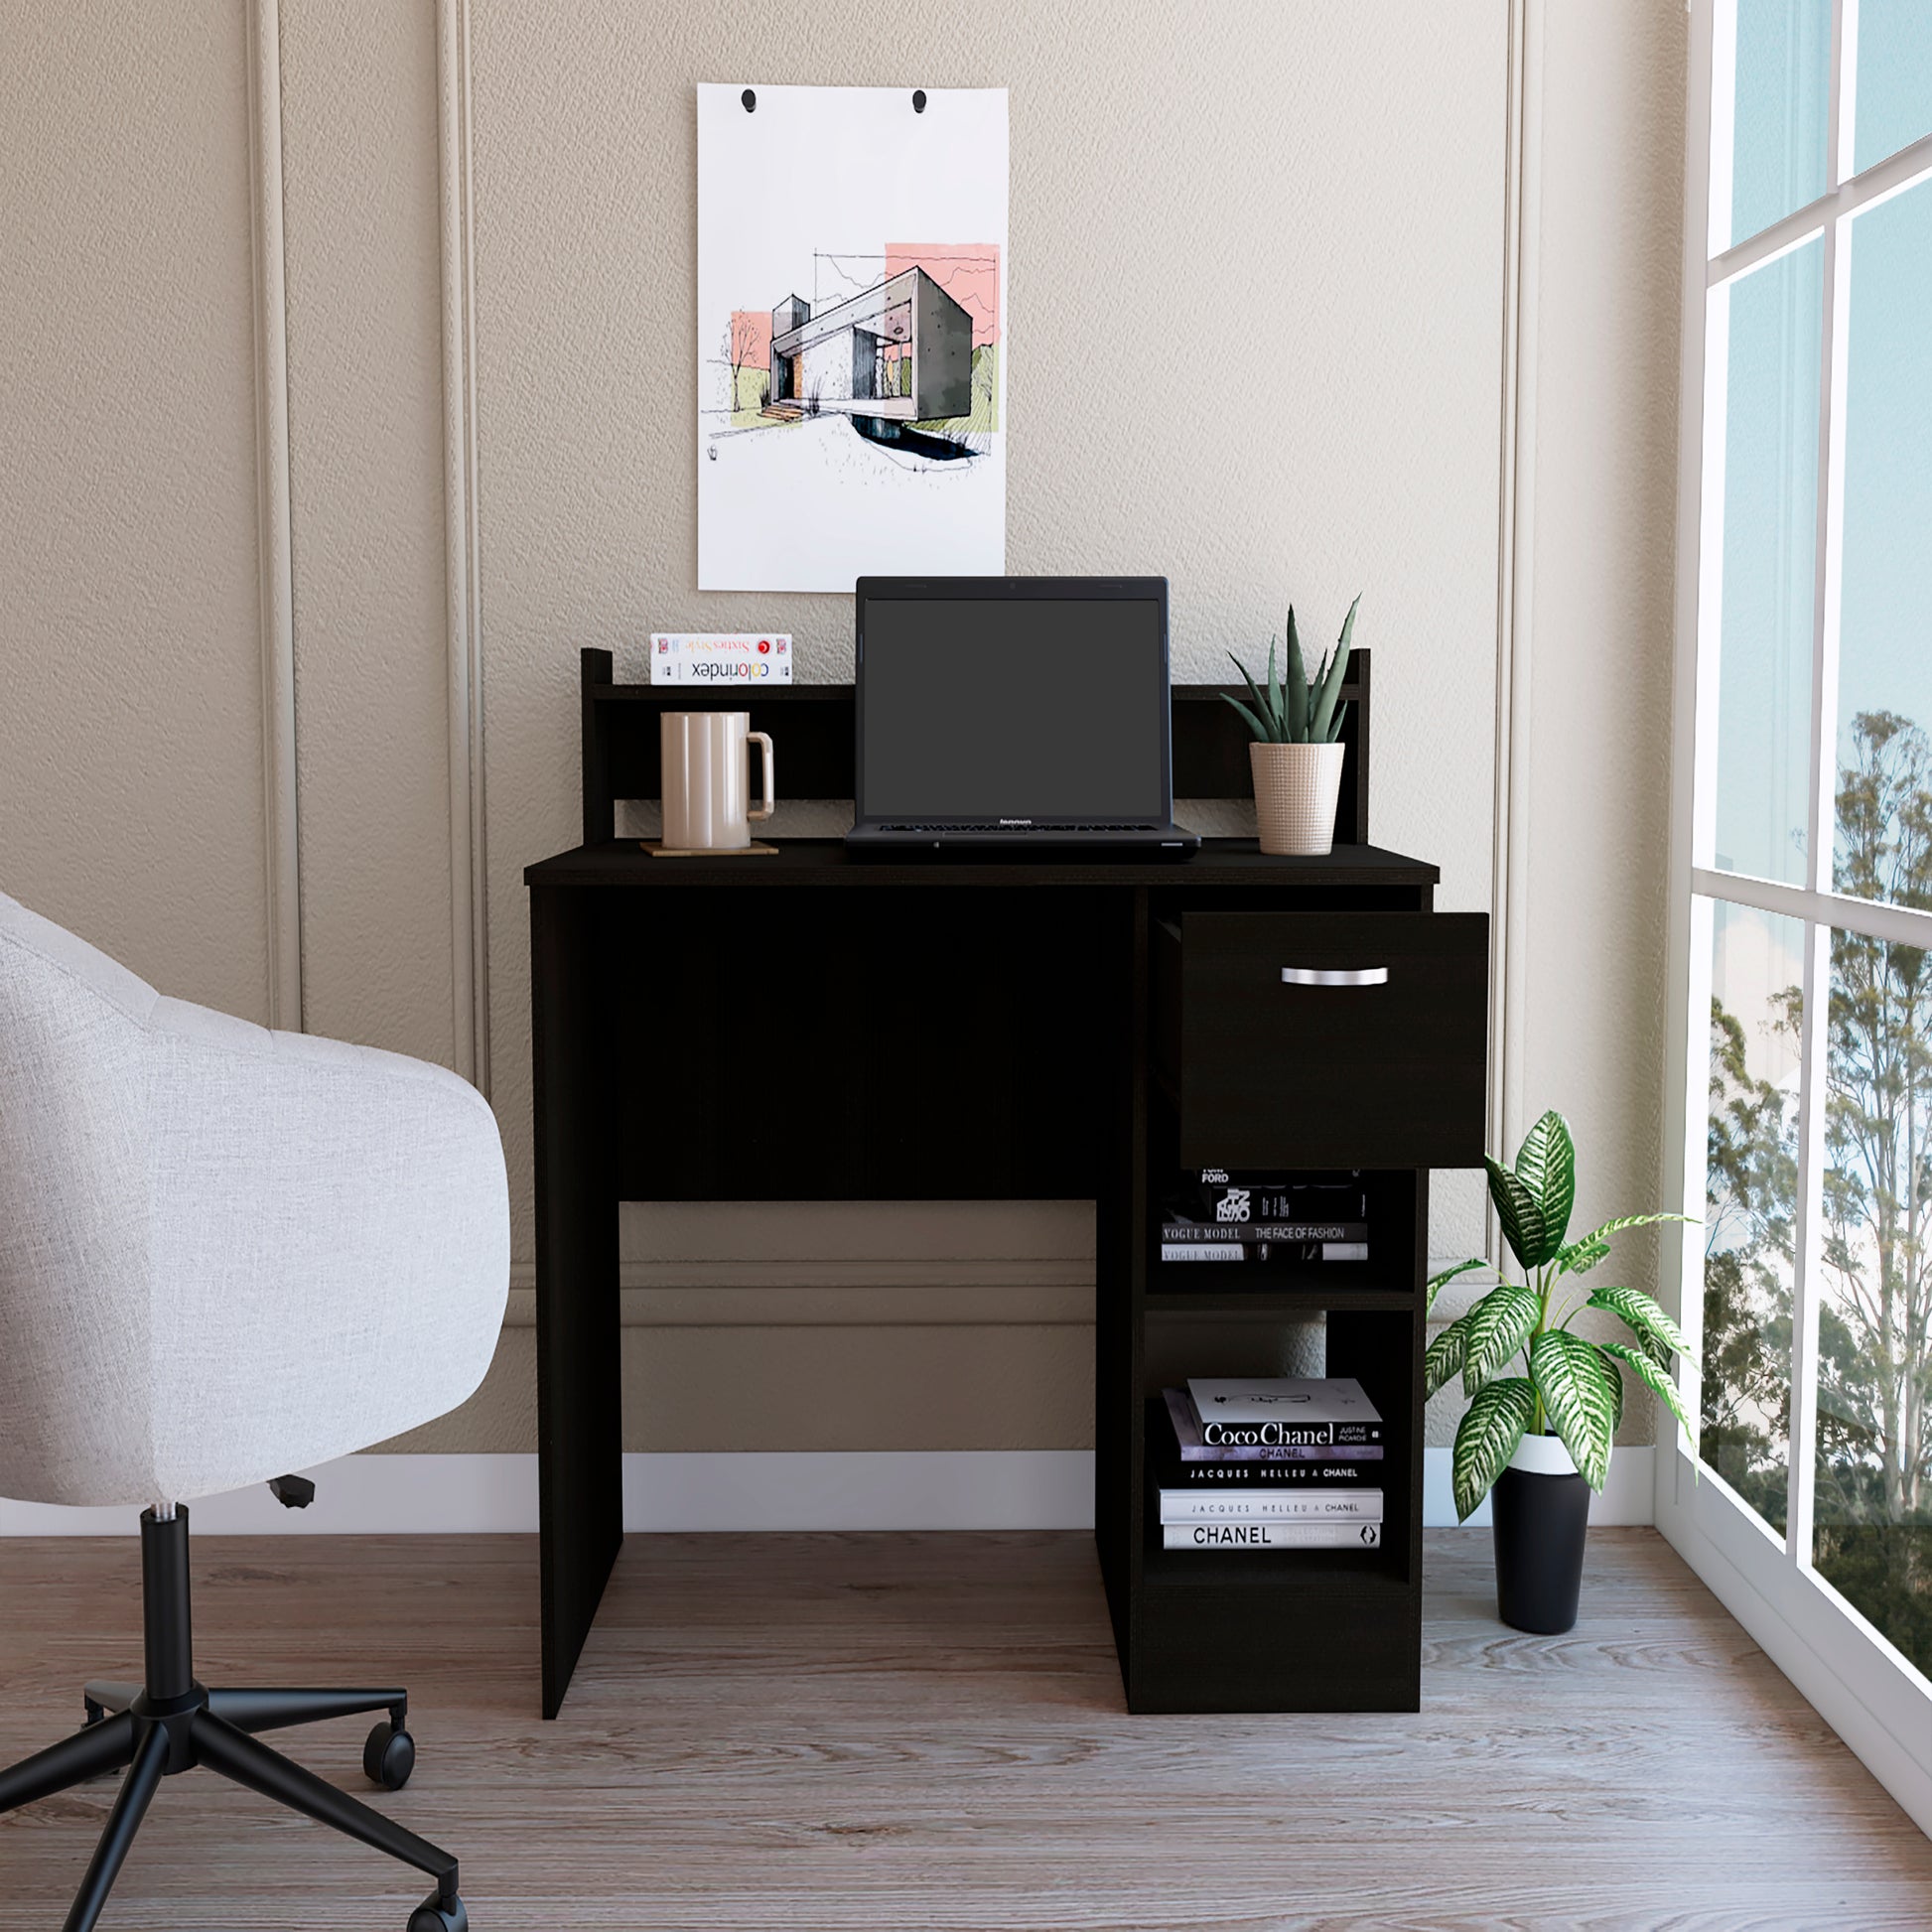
x=1540, y=1523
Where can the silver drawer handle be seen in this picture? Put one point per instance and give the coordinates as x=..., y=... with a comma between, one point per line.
x=1325, y=976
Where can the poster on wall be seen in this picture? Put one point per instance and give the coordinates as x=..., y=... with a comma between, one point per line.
x=851, y=246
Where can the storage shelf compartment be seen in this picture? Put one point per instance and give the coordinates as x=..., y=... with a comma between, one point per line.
x=1389, y=1276
x=1320, y=1572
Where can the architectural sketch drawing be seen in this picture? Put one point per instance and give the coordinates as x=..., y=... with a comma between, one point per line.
x=853, y=426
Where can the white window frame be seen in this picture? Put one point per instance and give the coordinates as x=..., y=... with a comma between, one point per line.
x=1861, y=1684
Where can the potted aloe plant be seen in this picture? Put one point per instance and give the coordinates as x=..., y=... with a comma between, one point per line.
x=1296, y=753
x=1541, y=1438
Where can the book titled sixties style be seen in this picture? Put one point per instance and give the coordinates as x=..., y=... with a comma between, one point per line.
x=1271, y=1536
x=1248, y=1503
x=1243, y=1444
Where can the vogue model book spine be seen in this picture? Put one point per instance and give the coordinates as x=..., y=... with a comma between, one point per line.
x=1237, y=1443
x=1271, y=1536
x=1246, y=1504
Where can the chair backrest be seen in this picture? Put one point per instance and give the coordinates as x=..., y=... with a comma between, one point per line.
x=75, y=1223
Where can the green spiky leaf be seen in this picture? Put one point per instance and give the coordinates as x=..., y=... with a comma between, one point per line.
x=1437, y=1283
x=1644, y=1318
x=1546, y=1164
x=1499, y=1325
x=1520, y=1215
x=1324, y=723
x=1487, y=1438
x=1659, y=1381
x=1583, y=1253
x=1441, y=1361
x=1254, y=724
x=1569, y=1376
x=1298, y=685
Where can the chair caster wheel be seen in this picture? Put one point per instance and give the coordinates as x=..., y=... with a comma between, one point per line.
x=432, y=1915
x=388, y=1759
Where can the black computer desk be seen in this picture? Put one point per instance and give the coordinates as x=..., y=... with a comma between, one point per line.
x=898, y=1029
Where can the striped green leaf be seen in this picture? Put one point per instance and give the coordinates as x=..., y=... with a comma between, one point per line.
x=1520, y=1215
x=1437, y=1283
x=1546, y=1164
x=1658, y=1381
x=1569, y=1376
x=1441, y=1361
x=1499, y=1325
x=1581, y=1256
x=1297, y=701
x=1655, y=1331
x=1588, y=1250
x=1616, y=1391
x=1487, y=1438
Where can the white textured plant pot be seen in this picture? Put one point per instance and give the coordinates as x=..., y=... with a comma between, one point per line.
x=1297, y=787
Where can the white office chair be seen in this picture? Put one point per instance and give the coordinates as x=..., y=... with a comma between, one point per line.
x=225, y=1254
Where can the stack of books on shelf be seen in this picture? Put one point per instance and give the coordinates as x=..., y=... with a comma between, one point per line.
x=1279, y=1463
x=1228, y=1216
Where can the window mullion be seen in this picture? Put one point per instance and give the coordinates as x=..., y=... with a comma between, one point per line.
x=1808, y=1240
x=1826, y=577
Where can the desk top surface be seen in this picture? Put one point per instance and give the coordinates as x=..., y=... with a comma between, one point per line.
x=811, y=862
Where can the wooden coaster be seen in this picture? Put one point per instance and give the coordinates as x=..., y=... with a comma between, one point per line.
x=752, y=851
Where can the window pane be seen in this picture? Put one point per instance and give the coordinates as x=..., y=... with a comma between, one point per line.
x=1751, y=1201
x=1783, y=84
x=1872, y=1496
x=1771, y=488
x=1895, y=99
x=1883, y=846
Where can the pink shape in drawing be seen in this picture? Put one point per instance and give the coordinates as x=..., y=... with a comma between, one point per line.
x=751, y=346
x=968, y=271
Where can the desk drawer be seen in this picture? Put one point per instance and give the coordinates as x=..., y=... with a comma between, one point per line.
x=1326, y=1039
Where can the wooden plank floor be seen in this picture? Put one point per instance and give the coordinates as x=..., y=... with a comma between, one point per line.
x=830, y=1733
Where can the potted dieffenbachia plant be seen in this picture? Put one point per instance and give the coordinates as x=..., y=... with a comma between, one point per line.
x=1541, y=1436
x=1296, y=753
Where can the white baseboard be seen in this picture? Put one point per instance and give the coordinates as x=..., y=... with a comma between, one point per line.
x=937, y=1489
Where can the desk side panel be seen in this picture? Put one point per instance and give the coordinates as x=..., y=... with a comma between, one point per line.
x=579, y=1390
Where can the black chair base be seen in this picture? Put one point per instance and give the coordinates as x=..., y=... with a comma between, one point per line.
x=172, y=1725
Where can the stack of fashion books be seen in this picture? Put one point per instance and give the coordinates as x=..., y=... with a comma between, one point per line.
x=1257, y=1218
x=1279, y=1463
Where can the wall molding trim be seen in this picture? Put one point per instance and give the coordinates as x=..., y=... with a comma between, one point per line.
x=274, y=544
x=469, y=879
x=1515, y=550
x=827, y=1293
x=748, y=1493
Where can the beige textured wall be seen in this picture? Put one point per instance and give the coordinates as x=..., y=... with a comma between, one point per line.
x=1320, y=186
x=366, y=512
x=130, y=661
x=1193, y=187
x=1600, y=615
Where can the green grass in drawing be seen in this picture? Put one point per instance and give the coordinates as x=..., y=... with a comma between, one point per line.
x=986, y=398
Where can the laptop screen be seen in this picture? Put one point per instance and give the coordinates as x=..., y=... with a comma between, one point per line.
x=1014, y=707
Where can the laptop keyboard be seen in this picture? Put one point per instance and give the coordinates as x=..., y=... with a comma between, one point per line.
x=1021, y=831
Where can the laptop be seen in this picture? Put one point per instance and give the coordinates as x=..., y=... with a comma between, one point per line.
x=1014, y=712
